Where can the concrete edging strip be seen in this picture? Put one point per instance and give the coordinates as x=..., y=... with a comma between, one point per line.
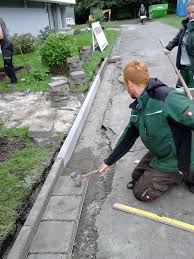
x=27, y=232
x=72, y=138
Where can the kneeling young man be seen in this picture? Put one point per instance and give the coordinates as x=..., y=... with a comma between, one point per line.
x=164, y=120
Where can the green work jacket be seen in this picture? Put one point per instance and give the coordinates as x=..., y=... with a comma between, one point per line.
x=164, y=120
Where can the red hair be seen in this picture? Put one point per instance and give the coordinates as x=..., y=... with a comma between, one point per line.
x=136, y=71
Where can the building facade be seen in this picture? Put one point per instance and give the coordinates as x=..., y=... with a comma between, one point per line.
x=30, y=16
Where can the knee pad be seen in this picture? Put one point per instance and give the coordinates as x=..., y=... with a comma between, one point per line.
x=146, y=195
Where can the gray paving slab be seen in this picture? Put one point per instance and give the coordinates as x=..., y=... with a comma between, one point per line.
x=47, y=256
x=56, y=83
x=63, y=208
x=65, y=186
x=53, y=237
x=41, y=129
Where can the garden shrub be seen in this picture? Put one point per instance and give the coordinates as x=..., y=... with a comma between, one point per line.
x=24, y=43
x=45, y=33
x=57, y=48
x=99, y=16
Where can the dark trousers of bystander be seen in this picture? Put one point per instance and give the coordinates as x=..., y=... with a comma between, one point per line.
x=8, y=64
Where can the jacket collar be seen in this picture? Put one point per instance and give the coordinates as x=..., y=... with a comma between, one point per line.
x=141, y=100
x=185, y=22
x=188, y=24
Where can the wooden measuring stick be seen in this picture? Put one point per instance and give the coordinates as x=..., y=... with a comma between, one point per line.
x=186, y=89
x=155, y=217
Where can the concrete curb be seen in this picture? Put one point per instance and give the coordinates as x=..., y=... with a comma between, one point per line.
x=72, y=138
x=26, y=234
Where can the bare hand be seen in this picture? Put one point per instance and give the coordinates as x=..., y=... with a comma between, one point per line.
x=104, y=168
x=166, y=51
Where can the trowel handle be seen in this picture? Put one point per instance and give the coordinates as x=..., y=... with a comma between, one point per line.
x=186, y=89
x=91, y=173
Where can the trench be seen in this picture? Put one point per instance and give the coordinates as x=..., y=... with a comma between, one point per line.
x=99, y=187
x=88, y=158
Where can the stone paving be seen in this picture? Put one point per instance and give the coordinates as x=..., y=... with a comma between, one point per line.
x=57, y=229
x=20, y=109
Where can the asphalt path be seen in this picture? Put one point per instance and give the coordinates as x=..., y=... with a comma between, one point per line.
x=122, y=235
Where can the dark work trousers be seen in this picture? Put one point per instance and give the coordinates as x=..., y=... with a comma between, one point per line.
x=150, y=184
x=8, y=65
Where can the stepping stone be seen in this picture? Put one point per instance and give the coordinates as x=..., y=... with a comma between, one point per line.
x=41, y=129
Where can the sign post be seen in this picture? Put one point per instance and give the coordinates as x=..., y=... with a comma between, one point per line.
x=98, y=37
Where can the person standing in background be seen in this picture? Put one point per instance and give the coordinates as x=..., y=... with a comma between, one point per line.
x=142, y=12
x=7, y=53
x=185, y=42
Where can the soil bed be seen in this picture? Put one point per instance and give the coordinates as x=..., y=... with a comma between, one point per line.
x=9, y=145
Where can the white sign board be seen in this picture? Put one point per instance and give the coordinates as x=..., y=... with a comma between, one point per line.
x=98, y=37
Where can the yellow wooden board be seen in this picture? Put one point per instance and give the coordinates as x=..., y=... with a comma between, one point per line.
x=155, y=217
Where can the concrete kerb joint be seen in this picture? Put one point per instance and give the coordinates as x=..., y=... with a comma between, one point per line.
x=26, y=234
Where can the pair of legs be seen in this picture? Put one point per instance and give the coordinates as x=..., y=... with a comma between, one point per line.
x=150, y=184
x=188, y=75
x=8, y=64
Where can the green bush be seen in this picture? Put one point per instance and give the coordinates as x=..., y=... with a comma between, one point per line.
x=57, y=48
x=99, y=16
x=24, y=43
x=45, y=33
x=38, y=75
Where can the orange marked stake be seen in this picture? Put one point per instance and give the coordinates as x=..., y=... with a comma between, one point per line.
x=155, y=217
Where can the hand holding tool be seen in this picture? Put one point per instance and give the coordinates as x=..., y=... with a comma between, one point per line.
x=186, y=89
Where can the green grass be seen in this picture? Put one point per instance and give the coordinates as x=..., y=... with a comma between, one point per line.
x=17, y=176
x=172, y=20
x=97, y=55
x=26, y=80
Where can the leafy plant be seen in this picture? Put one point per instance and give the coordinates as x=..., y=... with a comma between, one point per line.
x=57, y=48
x=45, y=33
x=99, y=16
x=35, y=76
x=24, y=43
x=39, y=75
